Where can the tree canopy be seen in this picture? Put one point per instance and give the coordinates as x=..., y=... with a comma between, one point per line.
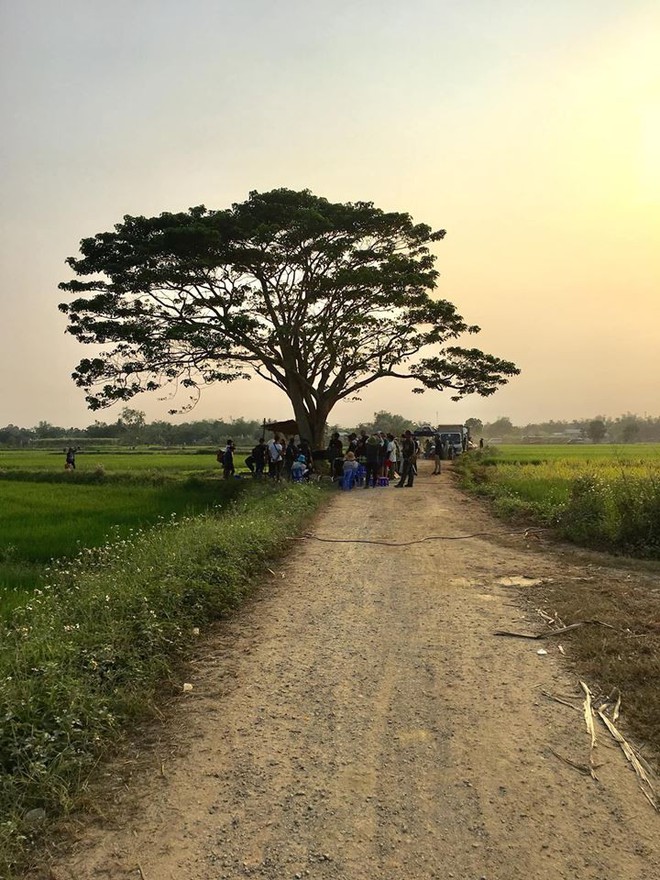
x=319, y=298
x=596, y=430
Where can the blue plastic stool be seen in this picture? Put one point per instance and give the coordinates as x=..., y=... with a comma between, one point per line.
x=360, y=475
x=383, y=481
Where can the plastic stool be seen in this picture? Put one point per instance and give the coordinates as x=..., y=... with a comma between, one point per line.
x=383, y=481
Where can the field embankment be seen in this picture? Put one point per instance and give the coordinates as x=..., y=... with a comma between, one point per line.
x=85, y=654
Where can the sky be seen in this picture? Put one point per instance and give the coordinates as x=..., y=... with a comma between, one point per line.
x=529, y=131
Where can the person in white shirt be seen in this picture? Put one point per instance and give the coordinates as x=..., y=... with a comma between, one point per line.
x=275, y=458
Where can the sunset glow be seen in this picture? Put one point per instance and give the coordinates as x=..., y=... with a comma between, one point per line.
x=532, y=136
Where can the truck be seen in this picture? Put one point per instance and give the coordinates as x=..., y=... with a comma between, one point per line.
x=457, y=436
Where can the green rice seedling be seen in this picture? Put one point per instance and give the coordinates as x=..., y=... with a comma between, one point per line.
x=42, y=521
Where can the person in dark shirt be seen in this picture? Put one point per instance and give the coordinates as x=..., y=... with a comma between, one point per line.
x=259, y=459
x=335, y=455
x=371, y=460
x=437, y=451
x=409, y=454
x=228, y=460
x=290, y=455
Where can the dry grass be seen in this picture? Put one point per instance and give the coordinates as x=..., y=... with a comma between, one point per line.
x=626, y=657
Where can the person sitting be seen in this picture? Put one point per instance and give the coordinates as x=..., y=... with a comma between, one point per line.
x=259, y=458
x=349, y=471
x=299, y=469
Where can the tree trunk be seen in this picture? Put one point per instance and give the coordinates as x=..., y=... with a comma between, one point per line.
x=311, y=424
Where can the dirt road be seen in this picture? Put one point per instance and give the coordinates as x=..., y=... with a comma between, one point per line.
x=360, y=720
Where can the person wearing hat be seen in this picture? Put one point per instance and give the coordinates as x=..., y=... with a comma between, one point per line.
x=299, y=469
x=409, y=454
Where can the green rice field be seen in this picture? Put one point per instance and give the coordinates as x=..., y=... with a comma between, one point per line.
x=47, y=512
x=598, y=495
x=578, y=452
x=171, y=463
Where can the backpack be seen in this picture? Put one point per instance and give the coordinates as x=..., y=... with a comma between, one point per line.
x=220, y=456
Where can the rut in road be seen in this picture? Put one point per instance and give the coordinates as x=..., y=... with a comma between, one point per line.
x=358, y=719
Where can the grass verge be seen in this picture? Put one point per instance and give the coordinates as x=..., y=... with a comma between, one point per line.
x=85, y=657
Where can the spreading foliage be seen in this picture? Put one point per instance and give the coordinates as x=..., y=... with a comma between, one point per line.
x=319, y=298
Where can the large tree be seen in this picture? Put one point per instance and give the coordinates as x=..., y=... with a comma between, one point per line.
x=596, y=430
x=320, y=299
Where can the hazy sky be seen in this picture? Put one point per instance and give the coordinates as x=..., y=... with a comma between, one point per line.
x=529, y=130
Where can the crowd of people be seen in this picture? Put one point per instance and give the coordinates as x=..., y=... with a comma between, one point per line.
x=277, y=459
x=363, y=456
x=373, y=456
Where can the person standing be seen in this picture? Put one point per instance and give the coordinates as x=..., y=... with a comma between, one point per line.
x=70, y=463
x=275, y=459
x=361, y=446
x=390, y=456
x=306, y=450
x=397, y=458
x=372, y=449
x=409, y=454
x=335, y=455
x=349, y=471
x=228, y=460
x=437, y=451
x=290, y=455
x=382, y=454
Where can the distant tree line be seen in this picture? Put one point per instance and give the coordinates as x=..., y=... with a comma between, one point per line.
x=132, y=429
x=628, y=428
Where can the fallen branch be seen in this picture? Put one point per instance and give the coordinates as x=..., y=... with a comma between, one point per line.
x=645, y=783
x=587, y=771
x=589, y=720
x=559, y=700
x=552, y=632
